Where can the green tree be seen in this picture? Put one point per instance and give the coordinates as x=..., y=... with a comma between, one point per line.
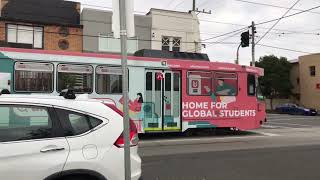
x=276, y=80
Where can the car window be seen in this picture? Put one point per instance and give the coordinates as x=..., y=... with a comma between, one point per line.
x=77, y=123
x=24, y=123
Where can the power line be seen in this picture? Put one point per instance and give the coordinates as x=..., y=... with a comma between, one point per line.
x=272, y=5
x=99, y=36
x=170, y=3
x=221, y=41
x=264, y=35
x=179, y=4
x=203, y=3
x=287, y=16
x=286, y=49
x=221, y=35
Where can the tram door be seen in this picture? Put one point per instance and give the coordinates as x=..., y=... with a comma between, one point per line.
x=162, y=105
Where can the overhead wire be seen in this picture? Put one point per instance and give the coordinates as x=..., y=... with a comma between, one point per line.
x=287, y=16
x=98, y=36
x=272, y=5
x=286, y=49
x=264, y=35
x=214, y=37
x=170, y=3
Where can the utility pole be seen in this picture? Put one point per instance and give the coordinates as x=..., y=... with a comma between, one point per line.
x=237, y=60
x=194, y=5
x=124, y=56
x=253, y=31
x=194, y=9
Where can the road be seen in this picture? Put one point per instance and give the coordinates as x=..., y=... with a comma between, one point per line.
x=286, y=147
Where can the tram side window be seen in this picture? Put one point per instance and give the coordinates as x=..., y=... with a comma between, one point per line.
x=251, y=80
x=33, y=77
x=226, y=84
x=199, y=83
x=77, y=77
x=109, y=80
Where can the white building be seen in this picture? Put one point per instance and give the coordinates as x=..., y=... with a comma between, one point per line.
x=158, y=29
x=175, y=31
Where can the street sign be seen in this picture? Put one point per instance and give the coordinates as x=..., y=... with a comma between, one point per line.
x=160, y=76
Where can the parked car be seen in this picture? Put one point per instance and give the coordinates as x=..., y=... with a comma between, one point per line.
x=53, y=138
x=295, y=110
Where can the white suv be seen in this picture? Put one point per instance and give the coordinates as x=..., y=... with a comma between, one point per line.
x=53, y=138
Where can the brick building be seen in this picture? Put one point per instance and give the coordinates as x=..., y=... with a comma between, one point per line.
x=41, y=24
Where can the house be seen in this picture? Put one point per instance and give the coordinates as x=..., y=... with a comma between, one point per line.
x=158, y=30
x=41, y=24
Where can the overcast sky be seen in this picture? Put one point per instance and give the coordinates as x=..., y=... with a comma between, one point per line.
x=304, y=26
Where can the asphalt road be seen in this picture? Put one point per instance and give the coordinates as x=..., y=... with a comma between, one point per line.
x=285, y=148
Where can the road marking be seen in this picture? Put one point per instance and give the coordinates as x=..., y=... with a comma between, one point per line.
x=268, y=134
x=290, y=124
x=291, y=119
x=270, y=126
x=261, y=134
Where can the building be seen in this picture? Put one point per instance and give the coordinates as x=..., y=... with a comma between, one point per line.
x=309, y=80
x=41, y=24
x=98, y=36
x=158, y=30
x=175, y=31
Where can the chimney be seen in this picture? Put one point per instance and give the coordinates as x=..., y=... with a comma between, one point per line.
x=2, y=4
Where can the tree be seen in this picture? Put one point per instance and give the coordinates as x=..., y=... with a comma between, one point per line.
x=276, y=80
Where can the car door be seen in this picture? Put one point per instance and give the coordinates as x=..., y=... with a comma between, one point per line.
x=31, y=144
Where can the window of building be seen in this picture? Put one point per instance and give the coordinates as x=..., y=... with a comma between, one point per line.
x=312, y=70
x=107, y=43
x=109, y=80
x=25, y=35
x=76, y=77
x=171, y=43
x=176, y=42
x=251, y=82
x=199, y=83
x=165, y=43
x=226, y=84
x=24, y=123
x=77, y=123
x=33, y=77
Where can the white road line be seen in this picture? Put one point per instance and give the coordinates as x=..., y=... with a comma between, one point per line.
x=270, y=126
x=264, y=134
x=292, y=119
x=268, y=134
x=290, y=124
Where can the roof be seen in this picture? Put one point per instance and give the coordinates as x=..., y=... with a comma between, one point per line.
x=171, y=63
x=293, y=61
x=170, y=11
x=42, y=11
x=91, y=106
x=172, y=55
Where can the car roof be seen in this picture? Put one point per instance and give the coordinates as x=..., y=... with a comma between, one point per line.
x=81, y=103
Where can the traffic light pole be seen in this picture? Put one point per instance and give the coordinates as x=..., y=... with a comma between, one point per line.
x=237, y=60
x=124, y=56
x=253, y=29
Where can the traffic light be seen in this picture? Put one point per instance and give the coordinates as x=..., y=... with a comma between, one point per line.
x=245, y=38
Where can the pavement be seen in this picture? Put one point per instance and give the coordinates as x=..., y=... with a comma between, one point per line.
x=286, y=147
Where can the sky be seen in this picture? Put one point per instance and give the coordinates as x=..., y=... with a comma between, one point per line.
x=299, y=32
